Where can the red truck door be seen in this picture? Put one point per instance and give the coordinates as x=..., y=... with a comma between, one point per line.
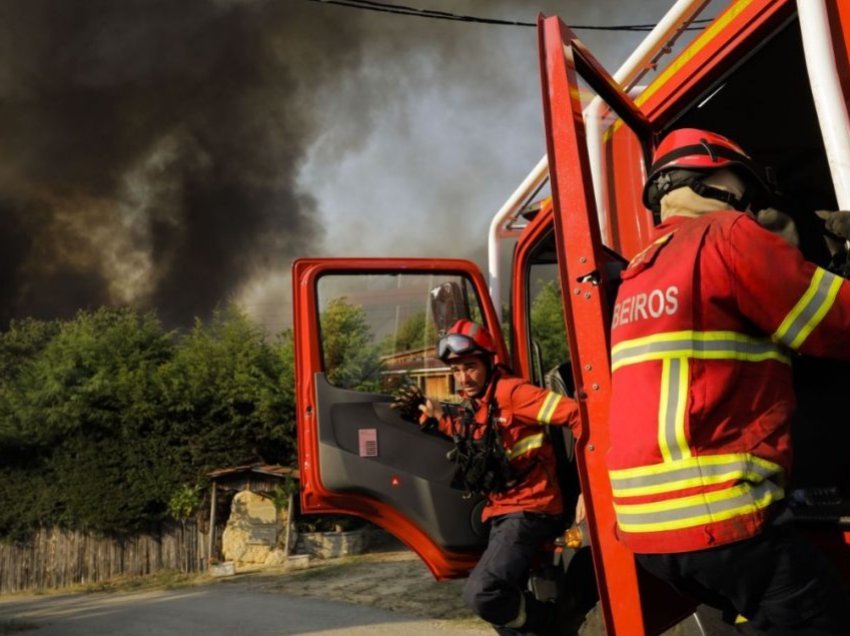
x=362, y=326
x=577, y=94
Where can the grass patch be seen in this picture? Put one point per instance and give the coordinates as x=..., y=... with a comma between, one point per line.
x=164, y=580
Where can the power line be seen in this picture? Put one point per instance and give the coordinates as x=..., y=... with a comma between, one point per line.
x=398, y=9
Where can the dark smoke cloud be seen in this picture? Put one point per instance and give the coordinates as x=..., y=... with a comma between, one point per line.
x=150, y=148
x=156, y=152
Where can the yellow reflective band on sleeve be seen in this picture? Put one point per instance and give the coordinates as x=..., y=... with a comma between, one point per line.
x=702, y=345
x=693, y=472
x=550, y=405
x=809, y=310
x=696, y=510
x=525, y=445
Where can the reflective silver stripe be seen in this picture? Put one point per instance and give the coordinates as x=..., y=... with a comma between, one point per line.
x=526, y=444
x=698, y=471
x=547, y=410
x=697, y=510
x=671, y=412
x=718, y=345
x=809, y=310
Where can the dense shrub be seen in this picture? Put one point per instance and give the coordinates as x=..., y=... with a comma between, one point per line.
x=107, y=419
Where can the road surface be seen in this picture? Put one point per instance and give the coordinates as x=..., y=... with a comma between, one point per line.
x=209, y=610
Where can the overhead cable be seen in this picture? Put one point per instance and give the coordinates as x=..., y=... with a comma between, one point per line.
x=398, y=9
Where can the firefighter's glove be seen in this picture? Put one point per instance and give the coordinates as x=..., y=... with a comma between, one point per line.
x=837, y=222
x=407, y=402
x=779, y=223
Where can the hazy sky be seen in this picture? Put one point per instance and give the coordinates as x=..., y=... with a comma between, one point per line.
x=422, y=142
x=179, y=155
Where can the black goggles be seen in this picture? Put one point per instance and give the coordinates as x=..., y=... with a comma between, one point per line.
x=457, y=344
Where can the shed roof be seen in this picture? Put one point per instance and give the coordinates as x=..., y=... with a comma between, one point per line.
x=272, y=470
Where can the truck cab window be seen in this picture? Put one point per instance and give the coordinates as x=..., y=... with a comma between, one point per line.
x=377, y=330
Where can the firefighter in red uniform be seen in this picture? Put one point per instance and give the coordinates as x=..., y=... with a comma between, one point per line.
x=706, y=324
x=524, y=507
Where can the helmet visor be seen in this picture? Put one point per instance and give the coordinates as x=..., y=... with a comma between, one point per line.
x=457, y=344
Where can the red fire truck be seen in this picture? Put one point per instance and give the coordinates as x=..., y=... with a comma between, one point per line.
x=773, y=75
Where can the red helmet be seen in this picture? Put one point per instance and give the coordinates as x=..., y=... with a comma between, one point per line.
x=463, y=339
x=687, y=155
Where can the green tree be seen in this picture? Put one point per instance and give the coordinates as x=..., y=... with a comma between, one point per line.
x=109, y=423
x=352, y=360
x=416, y=332
x=547, y=325
x=224, y=398
x=19, y=346
x=87, y=407
x=283, y=348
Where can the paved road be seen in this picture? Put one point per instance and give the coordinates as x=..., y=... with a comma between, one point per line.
x=214, y=610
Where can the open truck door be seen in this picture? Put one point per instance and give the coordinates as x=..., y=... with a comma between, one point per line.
x=362, y=327
x=578, y=95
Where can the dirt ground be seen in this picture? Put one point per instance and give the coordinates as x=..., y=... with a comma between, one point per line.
x=394, y=580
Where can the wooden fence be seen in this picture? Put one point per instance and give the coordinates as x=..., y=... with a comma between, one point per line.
x=54, y=558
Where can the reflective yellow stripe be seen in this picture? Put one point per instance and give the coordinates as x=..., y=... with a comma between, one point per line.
x=702, y=345
x=809, y=310
x=525, y=445
x=695, y=462
x=685, y=56
x=696, y=510
x=671, y=410
x=550, y=405
x=691, y=482
x=694, y=48
x=693, y=472
x=683, y=385
x=663, y=403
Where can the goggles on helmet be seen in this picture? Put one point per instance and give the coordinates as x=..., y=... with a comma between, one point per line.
x=457, y=344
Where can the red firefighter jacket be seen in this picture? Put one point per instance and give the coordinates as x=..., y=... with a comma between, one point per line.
x=705, y=326
x=521, y=411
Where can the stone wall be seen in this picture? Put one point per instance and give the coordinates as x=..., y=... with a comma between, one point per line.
x=329, y=545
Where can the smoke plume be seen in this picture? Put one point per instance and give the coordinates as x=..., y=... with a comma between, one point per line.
x=178, y=154
x=150, y=149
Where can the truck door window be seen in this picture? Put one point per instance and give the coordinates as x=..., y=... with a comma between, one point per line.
x=545, y=311
x=377, y=330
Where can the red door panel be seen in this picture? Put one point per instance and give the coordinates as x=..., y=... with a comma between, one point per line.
x=584, y=272
x=358, y=456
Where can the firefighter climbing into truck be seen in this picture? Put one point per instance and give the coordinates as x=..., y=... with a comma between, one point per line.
x=772, y=75
x=702, y=394
x=502, y=453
